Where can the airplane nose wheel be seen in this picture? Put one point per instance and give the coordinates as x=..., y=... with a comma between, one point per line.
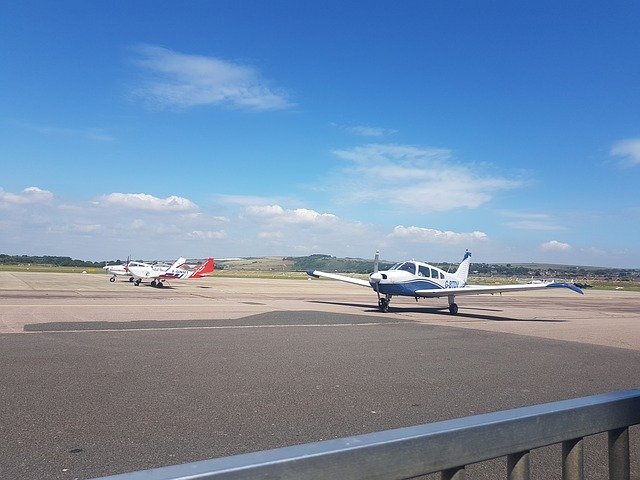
x=383, y=303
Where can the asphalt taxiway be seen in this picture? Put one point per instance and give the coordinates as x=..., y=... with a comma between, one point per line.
x=100, y=378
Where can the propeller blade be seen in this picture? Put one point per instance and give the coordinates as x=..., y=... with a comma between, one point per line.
x=376, y=258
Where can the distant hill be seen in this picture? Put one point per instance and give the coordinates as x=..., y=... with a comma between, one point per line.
x=330, y=263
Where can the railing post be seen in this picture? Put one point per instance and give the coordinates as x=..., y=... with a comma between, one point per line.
x=457, y=473
x=573, y=459
x=518, y=466
x=619, y=468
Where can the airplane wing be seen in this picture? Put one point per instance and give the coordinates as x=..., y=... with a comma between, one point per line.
x=341, y=278
x=482, y=289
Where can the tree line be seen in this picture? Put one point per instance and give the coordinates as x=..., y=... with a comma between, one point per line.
x=48, y=260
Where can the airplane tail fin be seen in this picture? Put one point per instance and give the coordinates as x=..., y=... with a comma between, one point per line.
x=205, y=268
x=463, y=269
x=177, y=264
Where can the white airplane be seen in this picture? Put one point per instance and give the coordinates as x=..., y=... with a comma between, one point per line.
x=116, y=270
x=123, y=270
x=421, y=280
x=159, y=275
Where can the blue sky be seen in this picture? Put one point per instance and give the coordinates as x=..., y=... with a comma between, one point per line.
x=250, y=128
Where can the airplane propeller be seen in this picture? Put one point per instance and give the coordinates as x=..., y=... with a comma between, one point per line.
x=373, y=276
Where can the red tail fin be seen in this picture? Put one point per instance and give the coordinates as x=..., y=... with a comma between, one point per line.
x=205, y=268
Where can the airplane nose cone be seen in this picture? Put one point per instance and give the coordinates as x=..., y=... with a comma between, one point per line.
x=375, y=277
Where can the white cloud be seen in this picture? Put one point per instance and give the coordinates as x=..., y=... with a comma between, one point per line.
x=183, y=80
x=429, y=235
x=629, y=150
x=265, y=211
x=424, y=179
x=367, y=131
x=531, y=221
x=554, y=245
x=143, y=201
x=29, y=195
x=246, y=200
x=207, y=235
x=304, y=215
x=271, y=235
x=138, y=224
x=88, y=228
x=298, y=215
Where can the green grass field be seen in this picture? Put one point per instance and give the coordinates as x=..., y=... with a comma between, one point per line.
x=276, y=269
x=48, y=268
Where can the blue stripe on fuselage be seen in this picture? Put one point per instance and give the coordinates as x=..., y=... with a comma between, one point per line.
x=406, y=288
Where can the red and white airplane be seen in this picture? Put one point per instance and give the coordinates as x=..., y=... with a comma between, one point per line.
x=140, y=272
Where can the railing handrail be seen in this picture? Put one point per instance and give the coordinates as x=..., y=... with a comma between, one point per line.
x=411, y=451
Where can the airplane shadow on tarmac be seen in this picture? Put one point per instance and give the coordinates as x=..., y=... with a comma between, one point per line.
x=443, y=311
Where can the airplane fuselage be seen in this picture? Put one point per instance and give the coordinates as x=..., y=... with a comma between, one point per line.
x=406, y=278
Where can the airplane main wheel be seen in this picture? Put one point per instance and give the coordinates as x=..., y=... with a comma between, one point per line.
x=453, y=308
x=160, y=284
x=153, y=283
x=112, y=279
x=131, y=279
x=137, y=283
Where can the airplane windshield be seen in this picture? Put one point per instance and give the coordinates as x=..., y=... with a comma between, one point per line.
x=406, y=266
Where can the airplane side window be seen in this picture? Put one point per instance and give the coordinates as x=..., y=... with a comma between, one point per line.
x=441, y=276
x=434, y=273
x=423, y=271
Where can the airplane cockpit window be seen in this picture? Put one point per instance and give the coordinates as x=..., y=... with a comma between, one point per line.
x=408, y=267
x=396, y=266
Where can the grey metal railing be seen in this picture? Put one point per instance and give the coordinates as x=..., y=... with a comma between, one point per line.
x=445, y=447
